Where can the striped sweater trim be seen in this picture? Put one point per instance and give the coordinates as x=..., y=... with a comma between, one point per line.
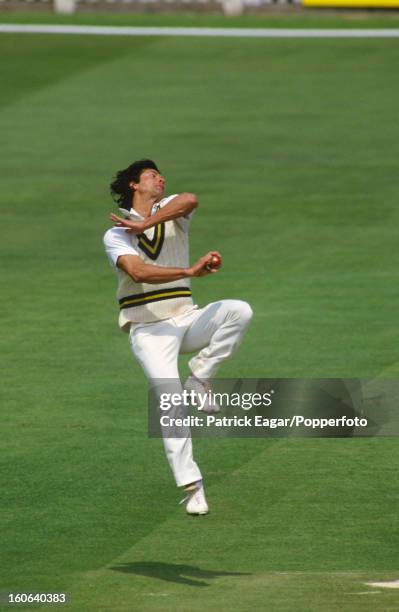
x=140, y=299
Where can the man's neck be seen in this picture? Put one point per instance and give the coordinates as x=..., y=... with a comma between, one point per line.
x=143, y=205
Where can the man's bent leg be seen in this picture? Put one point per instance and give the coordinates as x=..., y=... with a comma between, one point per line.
x=217, y=330
x=156, y=347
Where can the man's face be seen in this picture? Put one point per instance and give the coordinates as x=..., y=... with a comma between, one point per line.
x=151, y=183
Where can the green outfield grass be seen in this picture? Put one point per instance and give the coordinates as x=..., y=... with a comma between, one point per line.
x=292, y=147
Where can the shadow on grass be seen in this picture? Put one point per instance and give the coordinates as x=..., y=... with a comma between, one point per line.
x=172, y=572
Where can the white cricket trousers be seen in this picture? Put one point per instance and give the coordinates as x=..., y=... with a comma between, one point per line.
x=215, y=331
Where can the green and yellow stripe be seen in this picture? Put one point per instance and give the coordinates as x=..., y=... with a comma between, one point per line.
x=140, y=299
x=152, y=247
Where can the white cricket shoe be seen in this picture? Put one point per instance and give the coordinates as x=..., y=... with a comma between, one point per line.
x=196, y=500
x=202, y=388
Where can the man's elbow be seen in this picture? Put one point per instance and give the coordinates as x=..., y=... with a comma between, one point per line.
x=139, y=276
x=191, y=200
x=136, y=273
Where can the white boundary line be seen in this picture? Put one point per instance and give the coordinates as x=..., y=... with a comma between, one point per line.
x=393, y=584
x=209, y=32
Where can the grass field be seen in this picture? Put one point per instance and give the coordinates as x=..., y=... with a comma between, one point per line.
x=292, y=146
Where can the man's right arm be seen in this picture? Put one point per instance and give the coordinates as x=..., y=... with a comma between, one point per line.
x=141, y=272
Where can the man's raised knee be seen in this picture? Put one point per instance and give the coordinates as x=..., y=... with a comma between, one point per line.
x=244, y=311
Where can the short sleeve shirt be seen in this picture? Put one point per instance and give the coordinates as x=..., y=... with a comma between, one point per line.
x=117, y=242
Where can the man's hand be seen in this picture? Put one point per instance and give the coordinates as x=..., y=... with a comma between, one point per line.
x=136, y=227
x=205, y=265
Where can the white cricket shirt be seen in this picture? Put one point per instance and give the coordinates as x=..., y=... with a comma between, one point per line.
x=166, y=245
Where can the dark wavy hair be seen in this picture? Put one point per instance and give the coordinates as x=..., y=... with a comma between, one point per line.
x=120, y=189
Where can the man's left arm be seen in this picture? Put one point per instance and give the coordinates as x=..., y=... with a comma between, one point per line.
x=179, y=206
